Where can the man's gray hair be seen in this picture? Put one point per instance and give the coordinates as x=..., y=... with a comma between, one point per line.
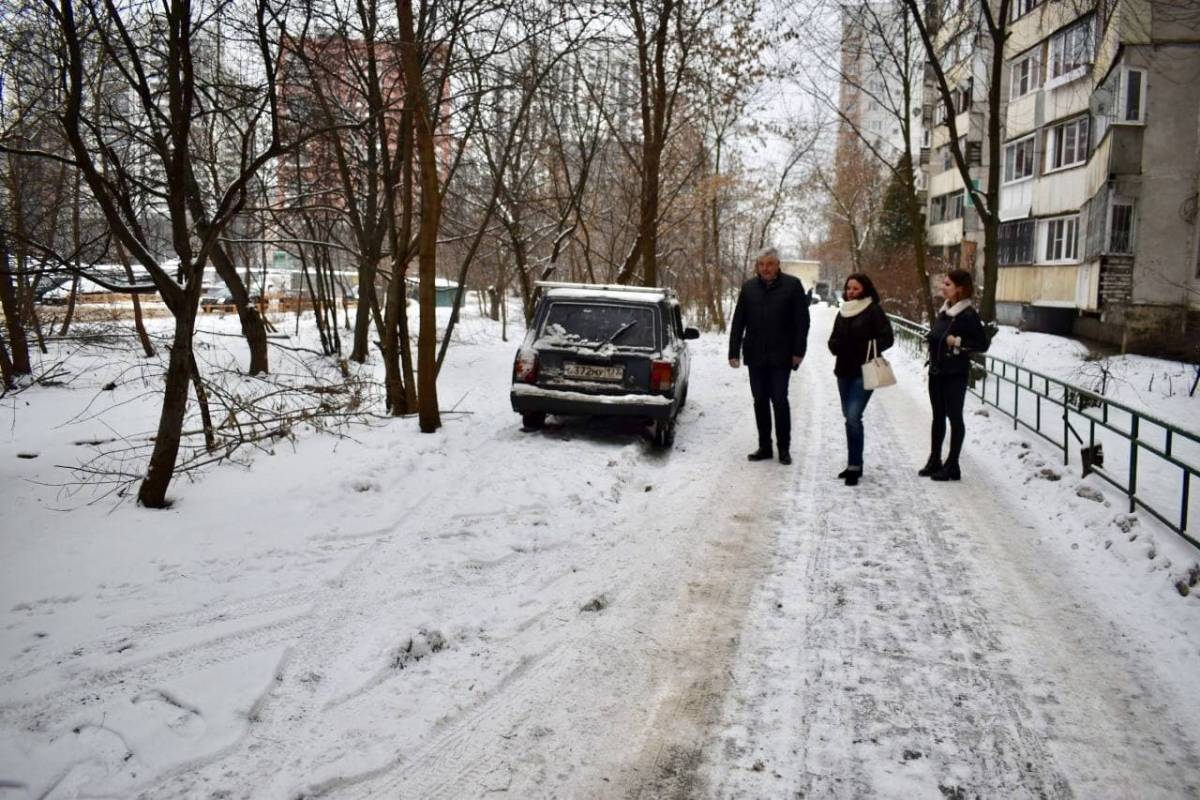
x=767, y=252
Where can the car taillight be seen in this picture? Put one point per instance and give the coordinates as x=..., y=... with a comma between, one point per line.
x=662, y=376
x=525, y=368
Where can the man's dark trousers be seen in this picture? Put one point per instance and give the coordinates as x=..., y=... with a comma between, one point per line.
x=769, y=385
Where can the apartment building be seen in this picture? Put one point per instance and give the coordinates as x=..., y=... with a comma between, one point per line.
x=872, y=94
x=1101, y=171
x=954, y=232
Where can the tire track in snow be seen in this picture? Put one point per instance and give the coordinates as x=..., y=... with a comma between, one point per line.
x=294, y=715
x=658, y=658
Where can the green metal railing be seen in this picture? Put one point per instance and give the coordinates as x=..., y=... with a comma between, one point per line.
x=1058, y=411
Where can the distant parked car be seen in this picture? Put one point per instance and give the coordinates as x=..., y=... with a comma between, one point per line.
x=604, y=350
x=53, y=290
x=823, y=292
x=215, y=296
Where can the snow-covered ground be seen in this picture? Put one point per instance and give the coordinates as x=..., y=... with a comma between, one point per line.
x=571, y=614
x=1153, y=385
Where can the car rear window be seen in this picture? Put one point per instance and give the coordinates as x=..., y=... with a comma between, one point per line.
x=595, y=324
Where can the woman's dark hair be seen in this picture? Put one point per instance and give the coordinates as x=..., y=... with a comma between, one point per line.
x=868, y=286
x=963, y=280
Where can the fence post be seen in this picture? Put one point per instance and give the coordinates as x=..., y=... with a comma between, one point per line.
x=1183, y=508
x=1133, y=460
x=1016, y=384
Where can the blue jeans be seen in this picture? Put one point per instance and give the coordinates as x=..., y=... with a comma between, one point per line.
x=854, y=403
x=769, y=385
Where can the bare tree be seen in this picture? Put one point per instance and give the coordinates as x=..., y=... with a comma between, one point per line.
x=992, y=17
x=876, y=61
x=163, y=59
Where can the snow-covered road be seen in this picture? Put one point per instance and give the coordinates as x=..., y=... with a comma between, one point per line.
x=571, y=614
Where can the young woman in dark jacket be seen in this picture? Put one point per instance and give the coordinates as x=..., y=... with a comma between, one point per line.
x=956, y=333
x=860, y=321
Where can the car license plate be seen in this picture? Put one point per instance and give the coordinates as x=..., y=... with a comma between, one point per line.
x=593, y=372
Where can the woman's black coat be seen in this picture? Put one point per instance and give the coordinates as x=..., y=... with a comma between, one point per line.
x=852, y=335
x=946, y=360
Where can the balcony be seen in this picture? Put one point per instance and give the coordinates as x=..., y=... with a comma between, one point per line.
x=1126, y=149
x=1118, y=153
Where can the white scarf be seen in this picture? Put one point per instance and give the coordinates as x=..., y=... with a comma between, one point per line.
x=852, y=308
x=956, y=309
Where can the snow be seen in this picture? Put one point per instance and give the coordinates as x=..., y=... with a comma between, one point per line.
x=526, y=390
x=612, y=293
x=573, y=613
x=1156, y=386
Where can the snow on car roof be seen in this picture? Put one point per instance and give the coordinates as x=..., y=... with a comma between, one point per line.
x=631, y=295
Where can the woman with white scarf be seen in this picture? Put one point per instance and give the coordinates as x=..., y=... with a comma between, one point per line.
x=956, y=333
x=860, y=321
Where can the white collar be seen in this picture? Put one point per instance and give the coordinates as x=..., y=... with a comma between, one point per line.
x=852, y=308
x=956, y=309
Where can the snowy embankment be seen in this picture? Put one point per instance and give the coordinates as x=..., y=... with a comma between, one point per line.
x=570, y=613
x=1153, y=385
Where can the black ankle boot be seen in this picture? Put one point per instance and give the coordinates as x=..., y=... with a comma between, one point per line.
x=848, y=471
x=948, y=472
x=931, y=466
x=761, y=454
x=785, y=456
x=852, y=477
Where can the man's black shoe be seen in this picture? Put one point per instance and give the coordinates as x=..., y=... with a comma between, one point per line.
x=785, y=457
x=761, y=454
x=852, y=477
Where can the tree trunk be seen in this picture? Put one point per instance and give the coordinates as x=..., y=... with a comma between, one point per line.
x=138, y=324
x=7, y=379
x=210, y=441
x=20, y=364
x=917, y=225
x=431, y=208
x=318, y=305
x=997, y=28
x=649, y=218
x=251, y=319
x=153, y=491
x=407, y=375
x=76, y=212
x=362, y=317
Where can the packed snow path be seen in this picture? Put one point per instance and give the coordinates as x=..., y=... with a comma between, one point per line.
x=487, y=612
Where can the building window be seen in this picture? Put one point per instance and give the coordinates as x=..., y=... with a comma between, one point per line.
x=1018, y=159
x=1016, y=242
x=1120, y=229
x=1022, y=7
x=1024, y=76
x=946, y=207
x=1067, y=143
x=962, y=98
x=1071, y=49
x=1062, y=239
x=1133, y=96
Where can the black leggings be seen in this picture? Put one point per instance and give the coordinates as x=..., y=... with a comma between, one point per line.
x=947, y=393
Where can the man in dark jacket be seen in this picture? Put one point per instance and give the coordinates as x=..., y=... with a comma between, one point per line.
x=770, y=333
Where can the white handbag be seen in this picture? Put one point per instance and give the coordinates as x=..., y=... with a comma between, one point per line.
x=877, y=372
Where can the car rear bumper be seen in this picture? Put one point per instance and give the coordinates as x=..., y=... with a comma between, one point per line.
x=526, y=398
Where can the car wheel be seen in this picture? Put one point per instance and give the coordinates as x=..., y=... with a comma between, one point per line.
x=533, y=420
x=664, y=433
x=683, y=398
